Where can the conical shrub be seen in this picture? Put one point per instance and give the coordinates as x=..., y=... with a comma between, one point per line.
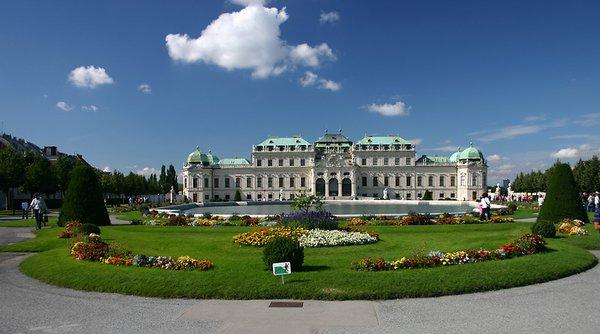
x=83, y=200
x=562, y=197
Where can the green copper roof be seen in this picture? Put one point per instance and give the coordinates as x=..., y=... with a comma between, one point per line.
x=470, y=153
x=234, y=162
x=383, y=140
x=454, y=156
x=197, y=157
x=333, y=139
x=284, y=141
x=432, y=159
x=212, y=159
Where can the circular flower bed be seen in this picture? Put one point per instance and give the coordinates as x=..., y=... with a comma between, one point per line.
x=572, y=227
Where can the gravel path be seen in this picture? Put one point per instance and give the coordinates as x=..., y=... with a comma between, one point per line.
x=563, y=306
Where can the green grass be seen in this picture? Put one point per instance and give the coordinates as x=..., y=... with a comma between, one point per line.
x=524, y=213
x=239, y=272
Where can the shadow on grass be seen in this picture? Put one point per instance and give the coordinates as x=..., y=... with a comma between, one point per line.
x=315, y=268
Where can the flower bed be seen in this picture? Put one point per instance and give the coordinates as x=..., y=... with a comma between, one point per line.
x=572, y=227
x=93, y=248
x=525, y=245
x=72, y=228
x=307, y=238
x=323, y=220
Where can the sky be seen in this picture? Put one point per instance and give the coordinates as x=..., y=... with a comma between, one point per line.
x=132, y=85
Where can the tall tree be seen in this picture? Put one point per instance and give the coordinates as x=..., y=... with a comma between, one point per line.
x=172, y=178
x=62, y=169
x=39, y=177
x=162, y=181
x=12, y=166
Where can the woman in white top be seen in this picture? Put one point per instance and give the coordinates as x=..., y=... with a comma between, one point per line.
x=485, y=207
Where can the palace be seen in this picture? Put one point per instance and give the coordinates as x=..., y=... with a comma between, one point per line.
x=336, y=168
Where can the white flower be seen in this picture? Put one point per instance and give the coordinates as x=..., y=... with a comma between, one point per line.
x=328, y=238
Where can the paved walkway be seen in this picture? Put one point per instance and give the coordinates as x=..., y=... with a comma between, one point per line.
x=564, y=306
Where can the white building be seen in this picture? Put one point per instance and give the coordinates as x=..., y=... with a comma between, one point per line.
x=336, y=168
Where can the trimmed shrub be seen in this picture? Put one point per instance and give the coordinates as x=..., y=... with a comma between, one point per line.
x=428, y=196
x=562, y=198
x=88, y=228
x=323, y=220
x=512, y=207
x=238, y=196
x=544, y=228
x=283, y=249
x=83, y=199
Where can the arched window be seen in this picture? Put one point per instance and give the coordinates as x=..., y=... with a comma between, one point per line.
x=430, y=181
x=442, y=181
x=419, y=181
x=463, y=180
x=474, y=180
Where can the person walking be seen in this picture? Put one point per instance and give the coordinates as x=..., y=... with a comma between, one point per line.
x=24, y=210
x=591, y=203
x=35, y=207
x=596, y=202
x=485, y=207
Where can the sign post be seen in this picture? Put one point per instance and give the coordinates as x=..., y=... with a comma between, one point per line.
x=282, y=269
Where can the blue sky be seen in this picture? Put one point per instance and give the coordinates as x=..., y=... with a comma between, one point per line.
x=520, y=79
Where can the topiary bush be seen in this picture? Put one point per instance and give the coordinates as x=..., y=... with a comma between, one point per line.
x=428, y=196
x=88, y=228
x=544, y=228
x=83, y=199
x=562, y=198
x=512, y=207
x=283, y=249
x=238, y=196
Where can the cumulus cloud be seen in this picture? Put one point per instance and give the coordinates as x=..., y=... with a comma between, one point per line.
x=330, y=17
x=146, y=171
x=247, y=39
x=389, y=109
x=89, y=76
x=566, y=153
x=106, y=169
x=64, y=106
x=145, y=88
x=91, y=107
x=494, y=158
x=312, y=79
x=246, y=3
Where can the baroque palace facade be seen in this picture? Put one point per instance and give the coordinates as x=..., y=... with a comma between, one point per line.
x=336, y=168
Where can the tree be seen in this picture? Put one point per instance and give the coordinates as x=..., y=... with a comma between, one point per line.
x=562, y=198
x=238, y=196
x=11, y=172
x=172, y=179
x=304, y=202
x=162, y=181
x=39, y=177
x=428, y=196
x=83, y=200
x=62, y=170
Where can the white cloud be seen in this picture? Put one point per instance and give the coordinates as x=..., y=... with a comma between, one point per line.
x=91, y=107
x=448, y=148
x=64, y=106
x=388, y=109
x=330, y=17
x=415, y=141
x=566, y=153
x=312, y=79
x=307, y=55
x=494, y=158
x=588, y=119
x=106, y=169
x=146, y=171
x=89, y=77
x=510, y=132
x=247, y=39
x=502, y=171
x=246, y=3
x=144, y=88
x=535, y=118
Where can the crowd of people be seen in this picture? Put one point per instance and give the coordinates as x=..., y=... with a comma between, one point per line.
x=591, y=201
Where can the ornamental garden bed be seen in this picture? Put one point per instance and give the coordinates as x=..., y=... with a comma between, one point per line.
x=239, y=271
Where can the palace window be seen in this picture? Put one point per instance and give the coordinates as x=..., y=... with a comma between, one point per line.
x=195, y=182
x=408, y=162
x=216, y=182
x=441, y=195
x=259, y=162
x=269, y=162
x=185, y=182
x=206, y=197
x=363, y=161
x=386, y=181
x=452, y=195
x=452, y=181
x=374, y=161
x=259, y=182
x=249, y=197
x=397, y=181
x=364, y=181
x=270, y=196
x=462, y=180
x=407, y=195
x=442, y=181
x=386, y=161
x=270, y=182
x=292, y=182
x=205, y=183
x=396, y=161
x=227, y=197
x=259, y=197
x=302, y=162
x=302, y=182
x=430, y=181
x=248, y=182
x=281, y=182
x=226, y=182
x=280, y=162
x=408, y=181
x=419, y=181
x=375, y=181
x=238, y=182
x=474, y=180
x=291, y=162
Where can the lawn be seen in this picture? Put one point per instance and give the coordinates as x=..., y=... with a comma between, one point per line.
x=240, y=274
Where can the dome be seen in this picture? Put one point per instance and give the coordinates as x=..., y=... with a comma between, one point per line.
x=454, y=156
x=197, y=157
x=211, y=158
x=471, y=154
